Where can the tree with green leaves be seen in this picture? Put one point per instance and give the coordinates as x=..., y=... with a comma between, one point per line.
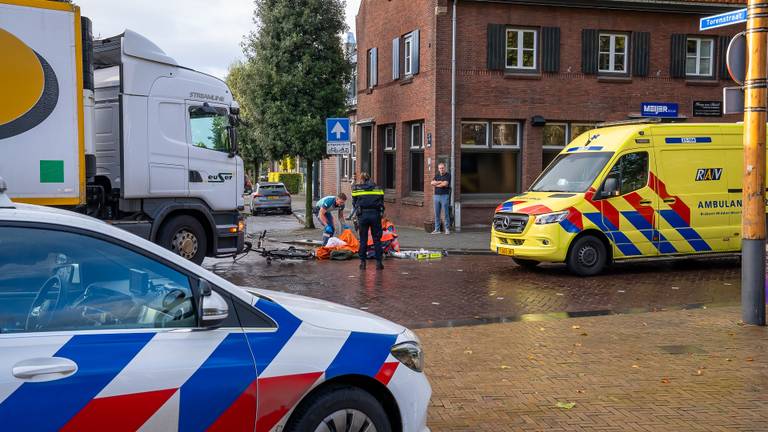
x=239, y=79
x=299, y=72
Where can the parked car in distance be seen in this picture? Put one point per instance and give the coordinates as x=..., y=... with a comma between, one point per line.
x=270, y=197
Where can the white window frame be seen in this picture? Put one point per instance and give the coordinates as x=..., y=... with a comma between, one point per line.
x=371, y=69
x=408, y=54
x=487, y=134
x=521, y=48
x=698, y=56
x=566, y=132
x=504, y=146
x=421, y=132
x=612, y=52
x=389, y=146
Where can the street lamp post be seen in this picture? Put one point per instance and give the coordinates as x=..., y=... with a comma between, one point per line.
x=753, y=217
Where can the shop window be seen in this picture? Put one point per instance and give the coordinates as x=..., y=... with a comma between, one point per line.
x=612, y=53
x=577, y=129
x=554, y=140
x=505, y=134
x=698, y=58
x=416, y=162
x=474, y=134
x=389, y=157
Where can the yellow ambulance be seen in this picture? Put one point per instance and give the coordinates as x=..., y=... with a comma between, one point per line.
x=629, y=191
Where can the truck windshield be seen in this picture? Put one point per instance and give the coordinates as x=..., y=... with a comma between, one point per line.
x=571, y=172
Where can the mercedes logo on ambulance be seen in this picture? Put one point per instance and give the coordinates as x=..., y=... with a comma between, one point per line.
x=28, y=84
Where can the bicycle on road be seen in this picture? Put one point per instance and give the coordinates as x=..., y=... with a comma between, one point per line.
x=291, y=253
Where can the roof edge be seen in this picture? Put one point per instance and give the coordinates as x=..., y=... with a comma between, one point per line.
x=671, y=6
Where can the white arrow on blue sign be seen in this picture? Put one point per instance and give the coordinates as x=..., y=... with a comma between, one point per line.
x=723, y=19
x=337, y=130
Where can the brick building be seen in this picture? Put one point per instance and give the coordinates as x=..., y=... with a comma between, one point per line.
x=529, y=75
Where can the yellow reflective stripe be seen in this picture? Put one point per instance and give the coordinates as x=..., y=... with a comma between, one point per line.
x=373, y=192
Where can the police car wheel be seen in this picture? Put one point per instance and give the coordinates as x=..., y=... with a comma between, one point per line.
x=526, y=263
x=183, y=235
x=340, y=408
x=587, y=256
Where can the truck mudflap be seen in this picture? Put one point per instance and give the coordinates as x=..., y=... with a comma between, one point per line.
x=230, y=238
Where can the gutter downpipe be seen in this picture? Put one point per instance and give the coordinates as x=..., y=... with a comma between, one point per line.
x=456, y=206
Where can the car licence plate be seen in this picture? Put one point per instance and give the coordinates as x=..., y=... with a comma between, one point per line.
x=273, y=197
x=506, y=251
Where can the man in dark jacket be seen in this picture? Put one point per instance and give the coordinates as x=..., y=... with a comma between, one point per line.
x=368, y=203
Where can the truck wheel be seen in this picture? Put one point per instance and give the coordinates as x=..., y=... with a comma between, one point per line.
x=526, y=263
x=587, y=256
x=340, y=408
x=183, y=235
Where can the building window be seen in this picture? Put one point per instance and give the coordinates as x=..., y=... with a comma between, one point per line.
x=490, y=158
x=554, y=139
x=506, y=134
x=417, y=157
x=521, y=49
x=474, y=134
x=577, y=129
x=698, y=59
x=612, y=54
x=372, y=66
x=408, y=54
x=389, y=157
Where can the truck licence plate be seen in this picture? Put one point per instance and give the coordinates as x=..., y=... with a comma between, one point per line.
x=506, y=251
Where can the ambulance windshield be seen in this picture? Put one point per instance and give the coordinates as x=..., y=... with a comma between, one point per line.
x=573, y=172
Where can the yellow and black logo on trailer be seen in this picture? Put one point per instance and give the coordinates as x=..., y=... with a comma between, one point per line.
x=28, y=85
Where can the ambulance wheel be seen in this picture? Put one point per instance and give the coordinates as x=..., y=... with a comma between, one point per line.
x=340, y=408
x=587, y=256
x=526, y=263
x=183, y=235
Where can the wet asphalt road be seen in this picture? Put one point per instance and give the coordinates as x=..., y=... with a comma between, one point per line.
x=466, y=290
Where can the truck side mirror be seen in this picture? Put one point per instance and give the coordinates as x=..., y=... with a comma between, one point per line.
x=610, y=188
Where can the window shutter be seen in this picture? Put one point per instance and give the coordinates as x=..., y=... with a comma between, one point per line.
x=550, y=49
x=677, y=54
x=496, y=46
x=415, y=53
x=641, y=50
x=374, y=67
x=589, y=39
x=396, y=58
x=722, y=49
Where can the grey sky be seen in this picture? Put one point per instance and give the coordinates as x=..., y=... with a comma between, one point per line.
x=202, y=34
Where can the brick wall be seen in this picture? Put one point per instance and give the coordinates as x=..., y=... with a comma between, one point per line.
x=493, y=95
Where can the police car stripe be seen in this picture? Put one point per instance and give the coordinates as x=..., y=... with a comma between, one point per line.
x=362, y=354
x=99, y=358
x=166, y=418
x=241, y=412
x=292, y=359
x=266, y=346
x=231, y=368
x=128, y=411
x=166, y=362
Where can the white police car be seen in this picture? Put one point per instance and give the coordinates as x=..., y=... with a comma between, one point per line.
x=102, y=330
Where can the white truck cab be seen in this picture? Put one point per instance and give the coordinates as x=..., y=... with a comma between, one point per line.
x=117, y=129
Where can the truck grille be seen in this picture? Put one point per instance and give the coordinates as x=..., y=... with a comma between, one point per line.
x=510, y=223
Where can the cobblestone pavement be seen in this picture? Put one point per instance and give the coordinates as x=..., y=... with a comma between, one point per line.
x=461, y=290
x=668, y=371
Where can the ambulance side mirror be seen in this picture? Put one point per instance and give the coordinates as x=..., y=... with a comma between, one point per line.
x=610, y=188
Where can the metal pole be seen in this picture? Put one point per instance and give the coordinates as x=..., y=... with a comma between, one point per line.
x=753, y=218
x=456, y=211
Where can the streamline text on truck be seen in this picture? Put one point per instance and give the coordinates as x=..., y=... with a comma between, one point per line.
x=118, y=130
x=629, y=191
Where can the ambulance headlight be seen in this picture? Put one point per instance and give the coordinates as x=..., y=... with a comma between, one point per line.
x=550, y=218
x=409, y=354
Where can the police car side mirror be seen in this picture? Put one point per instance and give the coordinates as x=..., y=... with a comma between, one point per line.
x=610, y=188
x=214, y=309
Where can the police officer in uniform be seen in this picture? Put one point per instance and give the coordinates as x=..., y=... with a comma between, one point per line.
x=368, y=203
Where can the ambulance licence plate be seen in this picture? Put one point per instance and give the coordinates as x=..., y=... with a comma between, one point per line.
x=506, y=251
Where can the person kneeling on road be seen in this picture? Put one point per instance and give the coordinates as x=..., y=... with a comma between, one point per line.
x=368, y=203
x=323, y=211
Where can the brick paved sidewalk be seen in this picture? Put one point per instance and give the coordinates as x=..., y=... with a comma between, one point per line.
x=665, y=371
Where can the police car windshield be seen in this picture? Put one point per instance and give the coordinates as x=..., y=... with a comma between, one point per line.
x=573, y=172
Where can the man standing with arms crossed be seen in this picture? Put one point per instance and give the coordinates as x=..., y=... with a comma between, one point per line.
x=368, y=203
x=442, y=199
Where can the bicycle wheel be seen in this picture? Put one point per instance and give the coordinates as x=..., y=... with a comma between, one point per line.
x=291, y=253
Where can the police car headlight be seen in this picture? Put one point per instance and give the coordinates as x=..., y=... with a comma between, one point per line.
x=409, y=354
x=550, y=218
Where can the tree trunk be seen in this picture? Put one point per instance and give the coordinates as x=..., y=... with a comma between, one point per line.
x=308, y=178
